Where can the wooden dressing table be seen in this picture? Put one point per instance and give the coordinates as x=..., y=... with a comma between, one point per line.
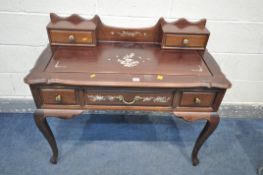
x=91, y=66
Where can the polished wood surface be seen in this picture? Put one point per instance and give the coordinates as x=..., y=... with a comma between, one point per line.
x=185, y=41
x=200, y=99
x=128, y=59
x=213, y=78
x=58, y=96
x=44, y=128
x=91, y=66
x=63, y=37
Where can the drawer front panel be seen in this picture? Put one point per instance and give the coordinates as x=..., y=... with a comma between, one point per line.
x=71, y=37
x=197, y=99
x=58, y=96
x=197, y=41
x=129, y=98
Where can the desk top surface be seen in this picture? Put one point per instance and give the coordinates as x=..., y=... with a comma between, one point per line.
x=132, y=59
x=127, y=65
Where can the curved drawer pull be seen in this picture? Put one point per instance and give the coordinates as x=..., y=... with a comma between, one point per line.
x=58, y=98
x=135, y=99
x=197, y=100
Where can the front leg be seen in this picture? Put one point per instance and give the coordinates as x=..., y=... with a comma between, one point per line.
x=40, y=116
x=44, y=128
x=211, y=124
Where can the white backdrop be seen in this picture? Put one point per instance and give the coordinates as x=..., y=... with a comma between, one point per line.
x=236, y=39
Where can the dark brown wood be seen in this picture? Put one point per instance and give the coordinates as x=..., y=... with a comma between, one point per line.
x=44, y=128
x=112, y=59
x=58, y=96
x=197, y=99
x=211, y=124
x=91, y=66
x=209, y=128
x=183, y=34
x=132, y=98
x=185, y=64
x=192, y=41
x=42, y=124
x=78, y=37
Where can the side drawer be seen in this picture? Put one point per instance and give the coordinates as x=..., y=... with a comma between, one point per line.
x=71, y=37
x=197, y=99
x=58, y=96
x=128, y=98
x=185, y=41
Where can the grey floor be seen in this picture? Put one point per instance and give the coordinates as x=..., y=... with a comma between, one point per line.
x=115, y=144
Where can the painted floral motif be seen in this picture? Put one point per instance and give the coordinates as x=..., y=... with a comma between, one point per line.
x=128, y=60
x=96, y=98
x=128, y=34
x=158, y=99
x=161, y=99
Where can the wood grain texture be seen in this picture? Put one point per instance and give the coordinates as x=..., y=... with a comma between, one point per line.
x=127, y=69
x=179, y=68
x=210, y=126
x=78, y=37
x=44, y=128
x=197, y=99
x=193, y=41
x=66, y=96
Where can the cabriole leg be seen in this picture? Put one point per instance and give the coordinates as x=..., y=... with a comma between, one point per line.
x=44, y=128
x=210, y=126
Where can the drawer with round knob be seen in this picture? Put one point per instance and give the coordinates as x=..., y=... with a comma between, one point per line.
x=71, y=37
x=58, y=96
x=197, y=99
x=185, y=41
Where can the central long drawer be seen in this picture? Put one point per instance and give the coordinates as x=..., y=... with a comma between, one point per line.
x=133, y=98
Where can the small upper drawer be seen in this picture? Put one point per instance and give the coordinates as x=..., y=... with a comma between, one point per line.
x=58, y=96
x=71, y=37
x=185, y=41
x=129, y=98
x=197, y=99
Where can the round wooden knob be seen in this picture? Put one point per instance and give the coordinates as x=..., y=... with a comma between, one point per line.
x=185, y=41
x=71, y=38
x=197, y=100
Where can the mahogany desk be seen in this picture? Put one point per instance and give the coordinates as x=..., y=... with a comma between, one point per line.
x=91, y=66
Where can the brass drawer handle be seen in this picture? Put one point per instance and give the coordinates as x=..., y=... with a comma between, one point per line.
x=197, y=100
x=58, y=98
x=71, y=38
x=185, y=41
x=135, y=99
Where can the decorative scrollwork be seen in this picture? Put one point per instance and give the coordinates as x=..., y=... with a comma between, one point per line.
x=111, y=98
x=129, y=34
